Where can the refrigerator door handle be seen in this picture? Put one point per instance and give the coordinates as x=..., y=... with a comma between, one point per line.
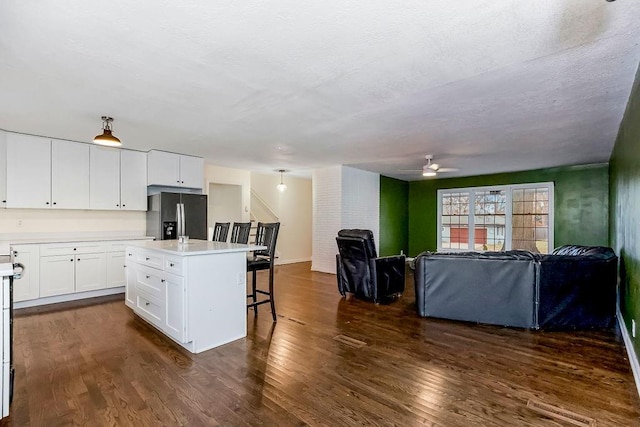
x=179, y=219
x=184, y=228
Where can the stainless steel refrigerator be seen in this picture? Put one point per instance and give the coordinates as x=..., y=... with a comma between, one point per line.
x=170, y=215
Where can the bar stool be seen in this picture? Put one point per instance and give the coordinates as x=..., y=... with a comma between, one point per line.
x=266, y=235
x=220, y=232
x=240, y=232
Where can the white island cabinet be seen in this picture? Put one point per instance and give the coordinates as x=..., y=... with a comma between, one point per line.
x=194, y=293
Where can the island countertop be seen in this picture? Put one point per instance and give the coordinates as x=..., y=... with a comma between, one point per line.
x=195, y=247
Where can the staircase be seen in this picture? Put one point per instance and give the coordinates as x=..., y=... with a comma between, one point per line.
x=261, y=212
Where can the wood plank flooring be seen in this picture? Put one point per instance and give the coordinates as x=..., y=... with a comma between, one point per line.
x=96, y=365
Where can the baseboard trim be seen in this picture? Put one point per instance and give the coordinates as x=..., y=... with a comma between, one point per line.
x=68, y=297
x=292, y=261
x=631, y=352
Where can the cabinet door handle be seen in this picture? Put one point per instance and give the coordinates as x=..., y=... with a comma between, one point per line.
x=147, y=259
x=47, y=202
x=146, y=303
x=54, y=203
x=71, y=260
x=118, y=205
x=171, y=264
x=130, y=254
x=147, y=277
x=178, y=181
x=162, y=280
x=123, y=205
x=15, y=253
x=4, y=201
x=75, y=249
x=78, y=259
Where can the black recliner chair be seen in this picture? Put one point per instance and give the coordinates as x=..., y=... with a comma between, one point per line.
x=362, y=273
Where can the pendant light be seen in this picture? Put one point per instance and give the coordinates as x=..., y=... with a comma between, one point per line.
x=282, y=186
x=107, y=138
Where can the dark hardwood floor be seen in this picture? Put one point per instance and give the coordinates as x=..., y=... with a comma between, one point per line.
x=98, y=364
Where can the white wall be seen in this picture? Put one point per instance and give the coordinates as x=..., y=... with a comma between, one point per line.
x=222, y=175
x=327, y=217
x=361, y=200
x=294, y=210
x=343, y=197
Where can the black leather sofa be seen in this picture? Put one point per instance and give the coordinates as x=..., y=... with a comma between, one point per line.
x=361, y=272
x=572, y=288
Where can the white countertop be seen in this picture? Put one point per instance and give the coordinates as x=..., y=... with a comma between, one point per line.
x=195, y=247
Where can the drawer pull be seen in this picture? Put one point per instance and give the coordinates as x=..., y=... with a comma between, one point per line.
x=148, y=277
x=130, y=254
x=171, y=264
x=146, y=258
x=162, y=280
x=146, y=303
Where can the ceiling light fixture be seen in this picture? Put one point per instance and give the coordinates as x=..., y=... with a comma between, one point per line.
x=107, y=138
x=282, y=186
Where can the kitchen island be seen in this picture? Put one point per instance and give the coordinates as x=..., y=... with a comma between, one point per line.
x=195, y=293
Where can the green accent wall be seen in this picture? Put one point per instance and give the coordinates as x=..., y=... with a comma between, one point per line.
x=625, y=208
x=394, y=216
x=581, y=197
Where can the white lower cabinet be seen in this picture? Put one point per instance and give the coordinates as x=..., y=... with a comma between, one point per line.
x=175, y=307
x=28, y=286
x=65, y=274
x=91, y=272
x=155, y=294
x=58, y=269
x=57, y=274
x=115, y=269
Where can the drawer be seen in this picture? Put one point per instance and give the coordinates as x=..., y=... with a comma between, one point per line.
x=149, y=258
x=149, y=309
x=148, y=281
x=52, y=249
x=173, y=265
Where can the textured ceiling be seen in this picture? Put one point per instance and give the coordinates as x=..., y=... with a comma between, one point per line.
x=485, y=86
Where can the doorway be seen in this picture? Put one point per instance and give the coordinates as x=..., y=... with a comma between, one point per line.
x=225, y=203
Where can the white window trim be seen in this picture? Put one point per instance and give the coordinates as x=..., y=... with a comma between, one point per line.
x=508, y=212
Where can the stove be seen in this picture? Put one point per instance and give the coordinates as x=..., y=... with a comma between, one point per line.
x=8, y=272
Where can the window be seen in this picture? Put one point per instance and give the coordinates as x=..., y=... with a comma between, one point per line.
x=496, y=218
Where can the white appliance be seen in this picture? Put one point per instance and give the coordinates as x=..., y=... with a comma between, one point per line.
x=8, y=271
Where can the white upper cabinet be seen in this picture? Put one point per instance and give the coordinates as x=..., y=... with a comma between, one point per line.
x=191, y=171
x=28, y=171
x=3, y=169
x=163, y=168
x=69, y=175
x=104, y=178
x=133, y=180
x=174, y=170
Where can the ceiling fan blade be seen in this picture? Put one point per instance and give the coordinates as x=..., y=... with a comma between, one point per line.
x=410, y=170
x=448, y=170
x=434, y=166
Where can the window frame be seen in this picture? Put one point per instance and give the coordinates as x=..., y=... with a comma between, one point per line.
x=508, y=213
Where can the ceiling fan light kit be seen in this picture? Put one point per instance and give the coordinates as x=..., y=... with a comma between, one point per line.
x=107, y=138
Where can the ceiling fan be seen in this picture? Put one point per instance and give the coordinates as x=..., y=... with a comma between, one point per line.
x=431, y=169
